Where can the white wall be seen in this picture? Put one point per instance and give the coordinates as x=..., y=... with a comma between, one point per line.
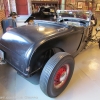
x=63, y=5
x=12, y=5
x=29, y=7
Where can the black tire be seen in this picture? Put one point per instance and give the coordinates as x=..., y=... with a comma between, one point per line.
x=63, y=62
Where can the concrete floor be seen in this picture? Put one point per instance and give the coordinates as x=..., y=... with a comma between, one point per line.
x=84, y=85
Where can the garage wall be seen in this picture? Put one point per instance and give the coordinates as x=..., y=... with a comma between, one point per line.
x=29, y=7
x=62, y=4
x=2, y=12
x=97, y=10
x=12, y=5
x=2, y=16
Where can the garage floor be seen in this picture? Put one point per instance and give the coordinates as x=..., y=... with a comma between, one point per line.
x=84, y=85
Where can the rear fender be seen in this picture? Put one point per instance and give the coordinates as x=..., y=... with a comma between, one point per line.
x=41, y=56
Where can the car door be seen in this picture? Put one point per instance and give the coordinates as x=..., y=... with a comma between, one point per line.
x=86, y=37
x=71, y=41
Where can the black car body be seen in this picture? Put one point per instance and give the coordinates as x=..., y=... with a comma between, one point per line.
x=50, y=46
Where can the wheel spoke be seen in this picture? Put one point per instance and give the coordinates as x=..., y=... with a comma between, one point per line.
x=61, y=76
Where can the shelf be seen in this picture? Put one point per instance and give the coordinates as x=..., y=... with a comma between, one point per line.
x=45, y=2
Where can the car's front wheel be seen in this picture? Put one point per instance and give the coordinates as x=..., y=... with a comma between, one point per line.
x=56, y=74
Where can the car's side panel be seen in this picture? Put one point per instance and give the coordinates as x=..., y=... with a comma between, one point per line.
x=85, y=38
x=71, y=43
x=19, y=62
x=68, y=43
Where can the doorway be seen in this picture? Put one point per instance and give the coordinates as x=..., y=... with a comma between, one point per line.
x=22, y=7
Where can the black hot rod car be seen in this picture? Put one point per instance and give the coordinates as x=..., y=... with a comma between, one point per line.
x=48, y=46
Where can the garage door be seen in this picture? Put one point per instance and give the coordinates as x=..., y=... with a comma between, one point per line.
x=22, y=7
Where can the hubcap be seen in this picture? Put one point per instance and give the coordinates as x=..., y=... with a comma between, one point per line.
x=61, y=76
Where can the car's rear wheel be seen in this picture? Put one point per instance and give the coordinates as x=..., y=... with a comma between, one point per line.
x=56, y=74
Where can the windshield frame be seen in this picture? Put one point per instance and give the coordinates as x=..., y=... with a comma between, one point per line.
x=72, y=12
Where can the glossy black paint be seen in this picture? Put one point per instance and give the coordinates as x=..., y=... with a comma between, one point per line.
x=27, y=48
